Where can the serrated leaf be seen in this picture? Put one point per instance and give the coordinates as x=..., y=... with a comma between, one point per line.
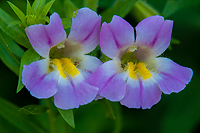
x=37, y=6
x=70, y=7
x=120, y=8
x=29, y=56
x=18, y=12
x=174, y=5
x=34, y=109
x=28, y=8
x=67, y=22
x=11, y=113
x=15, y=32
x=92, y=4
x=67, y=116
x=46, y=8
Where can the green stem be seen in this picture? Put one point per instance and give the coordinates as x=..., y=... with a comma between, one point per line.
x=9, y=51
x=51, y=115
x=118, y=118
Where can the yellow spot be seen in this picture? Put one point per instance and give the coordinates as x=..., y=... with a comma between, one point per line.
x=131, y=70
x=58, y=64
x=69, y=67
x=142, y=70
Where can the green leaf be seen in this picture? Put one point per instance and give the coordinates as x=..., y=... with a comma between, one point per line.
x=34, y=109
x=46, y=8
x=67, y=22
x=174, y=5
x=70, y=7
x=37, y=6
x=108, y=107
x=18, y=12
x=29, y=56
x=68, y=116
x=28, y=8
x=13, y=23
x=18, y=119
x=120, y=8
x=92, y=4
x=15, y=32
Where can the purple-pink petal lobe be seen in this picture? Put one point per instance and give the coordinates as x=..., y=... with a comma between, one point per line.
x=43, y=37
x=85, y=29
x=116, y=36
x=37, y=81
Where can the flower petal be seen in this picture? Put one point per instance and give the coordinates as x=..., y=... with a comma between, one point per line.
x=42, y=38
x=133, y=97
x=108, y=42
x=115, y=36
x=37, y=81
x=114, y=90
x=163, y=38
x=103, y=74
x=85, y=29
x=171, y=77
x=168, y=67
x=73, y=93
x=66, y=97
x=151, y=94
x=122, y=31
x=147, y=30
x=89, y=63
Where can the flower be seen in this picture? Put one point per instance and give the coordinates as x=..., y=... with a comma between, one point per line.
x=136, y=76
x=64, y=68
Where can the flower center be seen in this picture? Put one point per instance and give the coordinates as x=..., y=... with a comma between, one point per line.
x=138, y=70
x=65, y=67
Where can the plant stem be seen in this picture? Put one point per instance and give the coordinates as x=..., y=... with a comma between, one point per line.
x=118, y=118
x=51, y=115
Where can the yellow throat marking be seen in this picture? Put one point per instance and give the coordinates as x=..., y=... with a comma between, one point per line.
x=139, y=70
x=65, y=66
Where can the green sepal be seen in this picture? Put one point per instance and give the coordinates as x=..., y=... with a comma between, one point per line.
x=67, y=22
x=92, y=4
x=46, y=8
x=68, y=116
x=37, y=6
x=70, y=7
x=28, y=8
x=15, y=32
x=29, y=56
x=18, y=12
x=34, y=109
x=120, y=8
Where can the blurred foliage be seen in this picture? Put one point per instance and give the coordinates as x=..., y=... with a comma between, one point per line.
x=175, y=113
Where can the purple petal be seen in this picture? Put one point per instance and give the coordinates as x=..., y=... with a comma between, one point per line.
x=122, y=31
x=116, y=35
x=73, y=93
x=42, y=38
x=85, y=29
x=168, y=67
x=108, y=43
x=171, y=77
x=151, y=94
x=66, y=97
x=89, y=63
x=103, y=74
x=133, y=97
x=168, y=84
x=114, y=90
x=163, y=38
x=147, y=30
x=37, y=81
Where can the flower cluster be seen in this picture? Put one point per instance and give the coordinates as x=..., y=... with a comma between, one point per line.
x=136, y=75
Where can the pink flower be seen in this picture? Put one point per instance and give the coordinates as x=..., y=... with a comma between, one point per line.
x=64, y=68
x=136, y=76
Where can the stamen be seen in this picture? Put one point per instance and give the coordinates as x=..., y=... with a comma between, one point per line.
x=58, y=64
x=142, y=70
x=131, y=70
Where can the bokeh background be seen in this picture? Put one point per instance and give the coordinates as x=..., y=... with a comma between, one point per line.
x=175, y=113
